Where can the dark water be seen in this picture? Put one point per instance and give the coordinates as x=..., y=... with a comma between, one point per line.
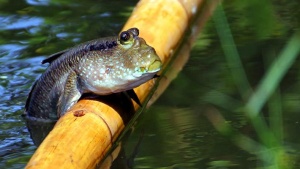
x=199, y=121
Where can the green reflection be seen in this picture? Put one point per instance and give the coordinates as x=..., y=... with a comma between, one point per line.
x=79, y=20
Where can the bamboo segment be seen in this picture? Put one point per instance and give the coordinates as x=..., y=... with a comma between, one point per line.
x=80, y=137
x=85, y=133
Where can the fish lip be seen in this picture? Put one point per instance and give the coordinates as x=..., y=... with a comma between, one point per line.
x=155, y=64
x=152, y=64
x=158, y=68
x=145, y=70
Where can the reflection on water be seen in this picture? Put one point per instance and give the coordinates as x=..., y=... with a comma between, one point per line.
x=175, y=140
x=188, y=127
x=181, y=138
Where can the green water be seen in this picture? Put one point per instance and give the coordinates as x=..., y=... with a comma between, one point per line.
x=200, y=121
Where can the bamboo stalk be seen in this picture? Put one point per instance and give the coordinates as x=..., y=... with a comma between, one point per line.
x=86, y=132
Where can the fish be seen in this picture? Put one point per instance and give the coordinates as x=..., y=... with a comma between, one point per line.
x=102, y=66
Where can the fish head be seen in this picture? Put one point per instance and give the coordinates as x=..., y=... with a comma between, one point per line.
x=126, y=62
x=140, y=58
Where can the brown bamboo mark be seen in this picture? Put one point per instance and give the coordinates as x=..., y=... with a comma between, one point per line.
x=79, y=113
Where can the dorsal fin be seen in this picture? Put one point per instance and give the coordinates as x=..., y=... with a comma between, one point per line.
x=93, y=45
x=54, y=56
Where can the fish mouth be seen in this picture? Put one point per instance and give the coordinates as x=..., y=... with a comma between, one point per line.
x=152, y=64
x=155, y=66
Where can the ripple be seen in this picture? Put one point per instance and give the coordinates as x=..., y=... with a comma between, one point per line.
x=19, y=22
x=38, y=2
x=10, y=51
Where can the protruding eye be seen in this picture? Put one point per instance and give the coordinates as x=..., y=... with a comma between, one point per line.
x=128, y=38
x=125, y=36
x=134, y=31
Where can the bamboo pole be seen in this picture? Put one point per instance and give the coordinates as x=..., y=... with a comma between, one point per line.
x=86, y=132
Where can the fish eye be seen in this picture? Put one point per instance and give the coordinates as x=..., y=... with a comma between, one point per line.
x=125, y=38
x=134, y=31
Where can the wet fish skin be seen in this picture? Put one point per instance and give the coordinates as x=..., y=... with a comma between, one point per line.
x=102, y=66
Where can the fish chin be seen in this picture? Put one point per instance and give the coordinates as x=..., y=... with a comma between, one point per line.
x=144, y=77
x=138, y=74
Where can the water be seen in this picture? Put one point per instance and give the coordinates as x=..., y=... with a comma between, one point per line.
x=199, y=121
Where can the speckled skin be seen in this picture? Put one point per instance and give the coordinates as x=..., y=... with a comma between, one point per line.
x=102, y=66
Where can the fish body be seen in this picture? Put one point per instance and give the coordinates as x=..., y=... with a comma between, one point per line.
x=102, y=66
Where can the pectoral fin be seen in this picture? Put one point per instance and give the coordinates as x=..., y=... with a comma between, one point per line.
x=156, y=76
x=70, y=95
x=133, y=96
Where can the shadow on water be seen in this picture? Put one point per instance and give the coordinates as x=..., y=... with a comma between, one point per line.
x=200, y=121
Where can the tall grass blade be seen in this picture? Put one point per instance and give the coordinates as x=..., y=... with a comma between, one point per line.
x=274, y=75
